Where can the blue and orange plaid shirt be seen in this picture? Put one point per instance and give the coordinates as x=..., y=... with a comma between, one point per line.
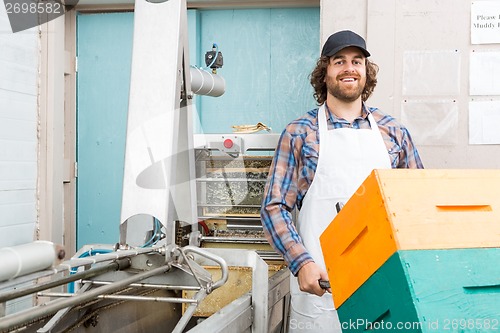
x=294, y=165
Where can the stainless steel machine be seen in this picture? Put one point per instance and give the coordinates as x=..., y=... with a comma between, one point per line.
x=231, y=172
x=191, y=256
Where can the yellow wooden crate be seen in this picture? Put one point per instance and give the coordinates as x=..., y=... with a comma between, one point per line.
x=401, y=209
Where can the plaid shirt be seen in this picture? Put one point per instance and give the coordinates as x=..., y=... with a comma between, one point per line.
x=294, y=166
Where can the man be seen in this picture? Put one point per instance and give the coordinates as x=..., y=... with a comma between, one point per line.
x=321, y=159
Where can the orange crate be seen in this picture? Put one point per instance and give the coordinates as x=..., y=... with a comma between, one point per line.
x=401, y=209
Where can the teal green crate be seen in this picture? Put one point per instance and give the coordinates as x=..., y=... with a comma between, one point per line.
x=434, y=291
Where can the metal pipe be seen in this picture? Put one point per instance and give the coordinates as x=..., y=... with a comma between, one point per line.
x=247, y=180
x=186, y=260
x=77, y=262
x=240, y=226
x=147, y=285
x=235, y=218
x=227, y=205
x=129, y=298
x=181, y=324
x=145, y=298
x=269, y=255
x=60, y=314
x=233, y=240
x=222, y=263
x=113, y=266
x=28, y=278
x=51, y=307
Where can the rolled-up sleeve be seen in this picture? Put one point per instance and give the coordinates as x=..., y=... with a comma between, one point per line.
x=409, y=157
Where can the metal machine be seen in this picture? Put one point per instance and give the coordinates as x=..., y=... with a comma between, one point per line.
x=178, y=246
x=231, y=171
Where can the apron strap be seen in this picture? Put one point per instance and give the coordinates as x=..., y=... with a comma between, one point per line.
x=373, y=123
x=322, y=123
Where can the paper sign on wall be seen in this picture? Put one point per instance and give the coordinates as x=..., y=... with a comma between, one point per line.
x=484, y=122
x=431, y=73
x=431, y=123
x=484, y=73
x=485, y=22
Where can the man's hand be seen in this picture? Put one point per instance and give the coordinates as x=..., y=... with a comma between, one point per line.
x=309, y=275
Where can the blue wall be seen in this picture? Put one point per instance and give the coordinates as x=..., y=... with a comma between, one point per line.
x=268, y=55
x=104, y=54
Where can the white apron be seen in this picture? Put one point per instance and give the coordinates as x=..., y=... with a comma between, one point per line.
x=347, y=156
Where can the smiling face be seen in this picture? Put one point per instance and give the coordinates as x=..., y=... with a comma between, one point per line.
x=346, y=75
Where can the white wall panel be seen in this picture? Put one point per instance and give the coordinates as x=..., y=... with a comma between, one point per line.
x=18, y=133
x=396, y=28
x=17, y=214
x=15, y=129
x=17, y=151
x=18, y=78
x=17, y=175
x=24, y=233
x=20, y=106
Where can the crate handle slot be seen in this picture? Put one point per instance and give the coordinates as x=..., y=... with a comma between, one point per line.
x=356, y=240
x=485, y=289
x=464, y=208
x=372, y=325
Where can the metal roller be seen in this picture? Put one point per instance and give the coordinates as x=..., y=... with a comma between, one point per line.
x=27, y=258
x=206, y=83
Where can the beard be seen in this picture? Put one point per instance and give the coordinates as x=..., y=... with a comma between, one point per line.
x=345, y=94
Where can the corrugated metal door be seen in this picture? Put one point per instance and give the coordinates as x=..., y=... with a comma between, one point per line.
x=268, y=54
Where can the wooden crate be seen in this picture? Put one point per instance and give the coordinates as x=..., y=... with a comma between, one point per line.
x=403, y=209
x=455, y=290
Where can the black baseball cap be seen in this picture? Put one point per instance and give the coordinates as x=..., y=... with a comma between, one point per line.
x=342, y=39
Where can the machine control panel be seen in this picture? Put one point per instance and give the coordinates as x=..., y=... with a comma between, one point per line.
x=231, y=144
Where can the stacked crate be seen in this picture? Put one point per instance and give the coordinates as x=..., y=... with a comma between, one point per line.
x=418, y=251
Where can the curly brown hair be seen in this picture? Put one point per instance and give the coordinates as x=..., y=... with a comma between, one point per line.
x=317, y=79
